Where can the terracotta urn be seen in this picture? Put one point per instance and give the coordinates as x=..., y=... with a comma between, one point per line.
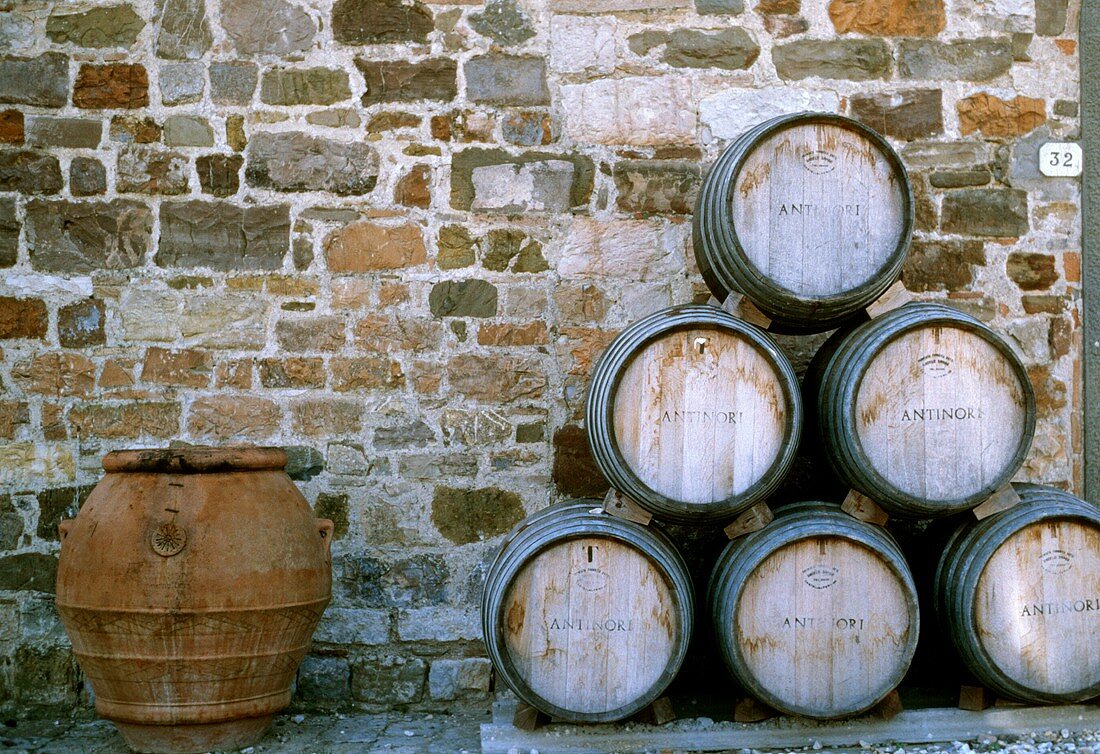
x=190, y=584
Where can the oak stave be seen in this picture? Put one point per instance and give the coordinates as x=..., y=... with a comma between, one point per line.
x=740, y=379
x=1000, y=645
x=593, y=679
x=804, y=660
x=859, y=258
x=923, y=435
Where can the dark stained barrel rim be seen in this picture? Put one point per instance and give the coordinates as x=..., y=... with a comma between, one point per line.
x=713, y=233
x=795, y=523
x=195, y=460
x=561, y=523
x=600, y=406
x=842, y=378
x=962, y=564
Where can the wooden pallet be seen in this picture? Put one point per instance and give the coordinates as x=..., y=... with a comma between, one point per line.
x=917, y=726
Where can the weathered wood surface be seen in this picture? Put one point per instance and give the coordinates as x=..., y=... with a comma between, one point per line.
x=924, y=409
x=1019, y=592
x=818, y=209
x=940, y=413
x=1032, y=606
x=586, y=616
x=916, y=726
x=816, y=614
x=809, y=216
x=819, y=624
x=693, y=414
x=590, y=624
x=699, y=415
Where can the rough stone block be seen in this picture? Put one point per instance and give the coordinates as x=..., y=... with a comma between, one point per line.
x=225, y=418
x=9, y=233
x=81, y=237
x=41, y=81
x=80, y=324
x=1000, y=213
x=181, y=83
x=22, y=318
x=300, y=162
x=178, y=368
x=732, y=112
x=12, y=129
x=471, y=515
x=496, y=378
x=657, y=186
x=438, y=624
x=402, y=81
x=957, y=60
x=323, y=333
x=891, y=18
x=934, y=265
x=732, y=49
x=365, y=246
x=504, y=22
x=851, y=59
x=28, y=571
x=183, y=33
x=304, y=86
x=225, y=320
x=493, y=180
x=910, y=114
x=371, y=22
x=29, y=172
x=219, y=174
x=116, y=421
x=113, y=85
x=58, y=374
x=327, y=678
x=131, y=129
x=187, y=131
x=1031, y=271
x=575, y=473
x=151, y=169
x=635, y=110
x=87, y=177
x=223, y=236
x=233, y=82
x=112, y=26
x=389, y=679
x=633, y=249
x=506, y=80
x=994, y=116
x=463, y=298
x=365, y=373
x=267, y=27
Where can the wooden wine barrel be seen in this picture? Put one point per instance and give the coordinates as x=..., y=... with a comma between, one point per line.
x=815, y=614
x=694, y=414
x=1019, y=594
x=809, y=216
x=924, y=409
x=586, y=616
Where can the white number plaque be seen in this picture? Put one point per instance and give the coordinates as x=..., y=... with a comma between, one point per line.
x=1058, y=158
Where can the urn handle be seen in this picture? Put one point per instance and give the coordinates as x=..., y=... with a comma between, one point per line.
x=325, y=527
x=64, y=527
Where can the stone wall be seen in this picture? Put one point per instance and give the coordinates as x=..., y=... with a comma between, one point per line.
x=393, y=236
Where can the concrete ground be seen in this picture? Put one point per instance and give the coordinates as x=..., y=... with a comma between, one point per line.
x=423, y=733
x=291, y=734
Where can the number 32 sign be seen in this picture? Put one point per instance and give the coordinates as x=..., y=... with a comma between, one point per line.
x=1060, y=159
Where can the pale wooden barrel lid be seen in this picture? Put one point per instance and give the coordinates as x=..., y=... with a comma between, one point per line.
x=941, y=412
x=1037, y=606
x=819, y=208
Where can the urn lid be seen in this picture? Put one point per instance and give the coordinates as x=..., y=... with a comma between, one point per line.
x=195, y=460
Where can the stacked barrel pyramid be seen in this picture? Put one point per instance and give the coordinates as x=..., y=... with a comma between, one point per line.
x=695, y=414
